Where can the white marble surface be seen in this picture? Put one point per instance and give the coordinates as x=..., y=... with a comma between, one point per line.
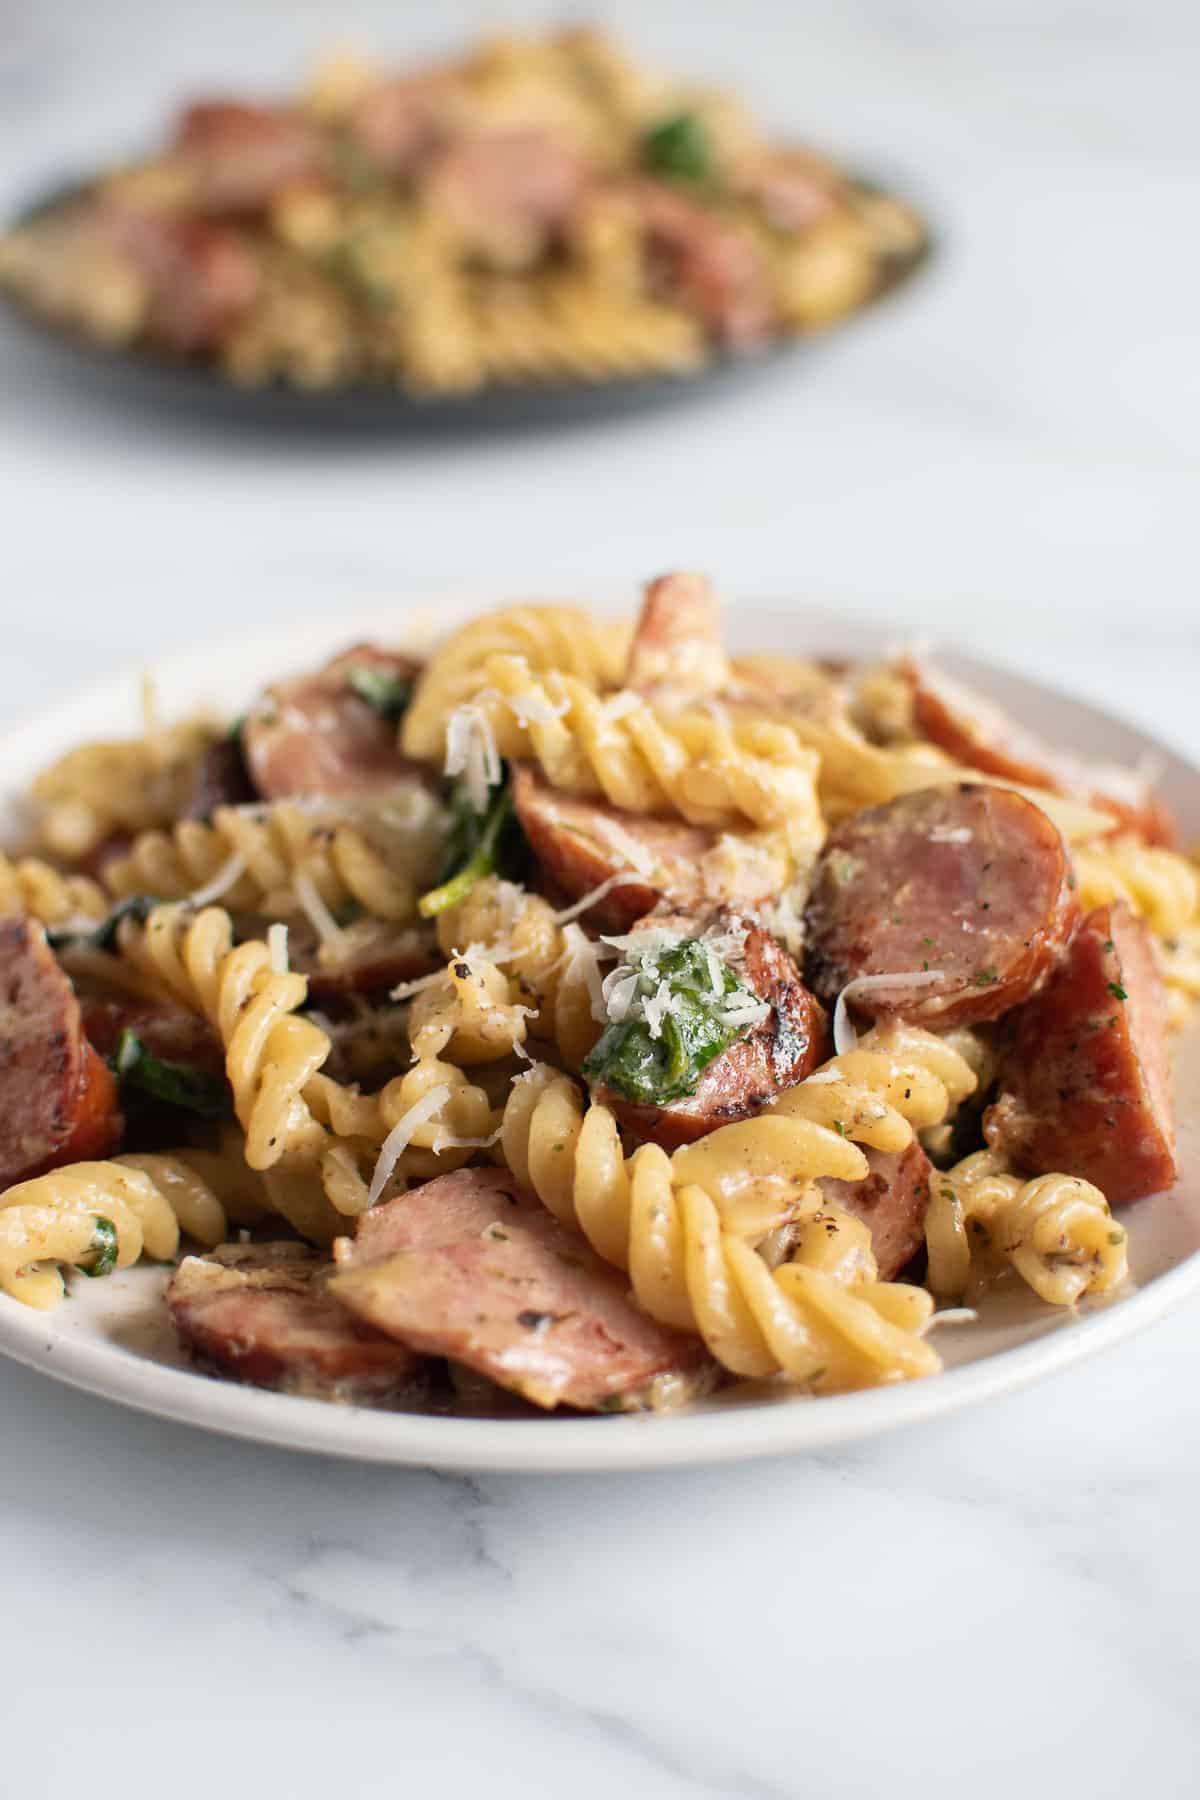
x=999, y=1603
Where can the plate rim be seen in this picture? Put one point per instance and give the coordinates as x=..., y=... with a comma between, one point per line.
x=566, y=1444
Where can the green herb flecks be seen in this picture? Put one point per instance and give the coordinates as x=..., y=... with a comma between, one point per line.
x=675, y=1022
x=986, y=978
x=388, y=693
x=679, y=149
x=102, y=1259
x=146, y=1077
x=1117, y=991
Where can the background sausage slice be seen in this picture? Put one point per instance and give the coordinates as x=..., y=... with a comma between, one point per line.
x=221, y=778
x=200, y=275
x=1086, y=1086
x=974, y=732
x=786, y=1047
x=260, y=1313
x=238, y=156
x=58, y=1100
x=974, y=882
x=892, y=1200
x=711, y=265
x=581, y=843
x=316, y=735
x=472, y=1268
x=504, y=195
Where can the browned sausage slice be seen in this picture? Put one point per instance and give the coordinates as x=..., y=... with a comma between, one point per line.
x=400, y=121
x=201, y=275
x=260, y=1313
x=239, y=155
x=318, y=735
x=892, y=1200
x=220, y=779
x=975, y=732
x=787, y=1045
x=379, y=955
x=582, y=843
x=167, y=1031
x=1086, y=1087
x=58, y=1100
x=472, y=1268
x=677, y=639
x=710, y=264
x=505, y=194
x=970, y=887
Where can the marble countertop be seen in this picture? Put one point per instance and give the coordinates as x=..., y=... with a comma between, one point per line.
x=1002, y=1602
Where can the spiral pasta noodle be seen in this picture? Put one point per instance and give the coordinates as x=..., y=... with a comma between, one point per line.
x=29, y=885
x=1161, y=886
x=707, y=769
x=681, y=1224
x=593, y=650
x=103, y=1213
x=553, y=968
x=582, y=330
x=129, y=785
x=1055, y=1231
x=270, y=1053
x=261, y=852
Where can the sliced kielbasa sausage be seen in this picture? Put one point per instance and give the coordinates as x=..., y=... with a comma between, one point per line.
x=221, y=778
x=200, y=275
x=260, y=1313
x=774, y=1054
x=58, y=1100
x=967, y=888
x=504, y=194
x=677, y=640
x=167, y=1031
x=892, y=1200
x=709, y=263
x=1085, y=1088
x=472, y=1268
x=582, y=843
x=238, y=156
x=975, y=732
x=321, y=734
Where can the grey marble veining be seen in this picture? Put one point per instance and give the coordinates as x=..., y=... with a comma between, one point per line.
x=1000, y=1603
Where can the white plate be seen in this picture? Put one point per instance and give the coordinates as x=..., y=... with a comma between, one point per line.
x=112, y=1337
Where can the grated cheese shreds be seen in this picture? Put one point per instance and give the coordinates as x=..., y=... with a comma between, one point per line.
x=636, y=854
x=951, y=834
x=581, y=957
x=401, y=1135
x=535, y=708
x=950, y=1315
x=619, y=990
x=316, y=911
x=445, y=1140
x=716, y=980
x=657, y=1007
x=230, y=872
x=752, y=1013
x=405, y=990
x=277, y=944
x=619, y=706
x=471, y=751
x=845, y=1037
x=577, y=907
x=654, y=937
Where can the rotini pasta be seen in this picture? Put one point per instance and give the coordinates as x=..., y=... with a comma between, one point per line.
x=1161, y=886
x=566, y=638
x=709, y=771
x=29, y=885
x=131, y=785
x=683, y=1225
x=102, y=1213
x=272, y=859
x=1055, y=1231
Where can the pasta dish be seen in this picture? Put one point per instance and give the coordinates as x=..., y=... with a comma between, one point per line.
x=581, y=1016
x=534, y=210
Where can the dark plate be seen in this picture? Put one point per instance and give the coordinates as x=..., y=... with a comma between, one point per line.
x=149, y=378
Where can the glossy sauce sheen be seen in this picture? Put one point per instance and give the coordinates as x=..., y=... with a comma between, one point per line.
x=972, y=882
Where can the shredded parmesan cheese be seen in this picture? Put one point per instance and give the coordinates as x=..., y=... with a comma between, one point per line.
x=951, y=834
x=844, y=1035
x=951, y=1315
x=471, y=751
x=445, y=1140
x=401, y=1135
x=316, y=911
x=230, y=871
x=581, y=906
x=277, y=944
x=535, y=708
